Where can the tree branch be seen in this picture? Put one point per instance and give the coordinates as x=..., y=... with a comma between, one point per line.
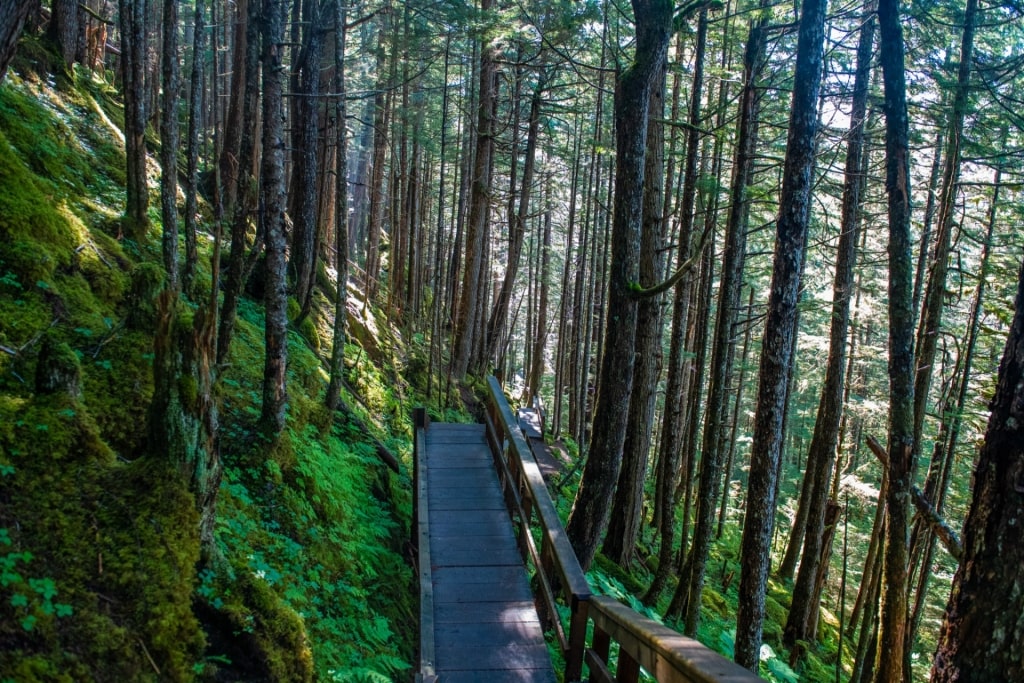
x=681, y=272
x=939, y=527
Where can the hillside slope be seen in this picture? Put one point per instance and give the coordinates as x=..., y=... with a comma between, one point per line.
x=98, y=541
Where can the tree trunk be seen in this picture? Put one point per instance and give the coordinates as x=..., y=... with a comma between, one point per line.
x=340, y=208
x=821, y=453
x=935, y=291
x=65, y=29
x=133, y=60
x=540, y=336
x=892, y=626
x=982, y=636
x=779, y=335
x=306, y=119
x=272, y=198
x=728, y=305
x=589, y=516
x=15, y=13
x=245, y=201
x=462, y=348
x=517, y=223
x=937, y=484
x=195, y=115
x=170, y=70
x=627, y=503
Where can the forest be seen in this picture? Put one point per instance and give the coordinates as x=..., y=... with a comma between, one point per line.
x=757, y=263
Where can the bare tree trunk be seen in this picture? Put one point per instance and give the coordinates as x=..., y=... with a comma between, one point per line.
x=194, y=133
x=340, y=208
x=306, y=120
x=15, y=13
x=169, y=136
x=931, y=317
x=627, y=503
x=272, y=193
x=462, y=349
x=245, y=197
x=589, y=516
x=65, y=29
x=780, y=333
x=728, y=304
x=133, y=59
x=821, y=453
x=892, y=626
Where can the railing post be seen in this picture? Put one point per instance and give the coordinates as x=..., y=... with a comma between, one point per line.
x=577, y=639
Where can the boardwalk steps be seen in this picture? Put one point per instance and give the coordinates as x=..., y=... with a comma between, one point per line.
x=480, y=506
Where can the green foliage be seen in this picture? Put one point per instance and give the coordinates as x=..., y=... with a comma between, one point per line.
x=99, y=547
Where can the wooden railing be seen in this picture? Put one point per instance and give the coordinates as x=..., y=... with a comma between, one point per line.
x=421, y=542
x=558, y=572
x=665, y=654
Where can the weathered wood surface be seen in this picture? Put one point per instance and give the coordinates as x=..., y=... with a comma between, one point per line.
x=485, y=624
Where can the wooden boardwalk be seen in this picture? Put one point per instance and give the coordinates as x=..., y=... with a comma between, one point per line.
x=486, y=627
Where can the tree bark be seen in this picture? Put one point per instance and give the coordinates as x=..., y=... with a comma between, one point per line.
x=982, y=636
x=728, y=305
x=245, y=198
x=340, y=208
x=15, y=14
x=893, y=611
x=462, y=348
x=627, y=503
x=589, y=516
x=195, y=114
x=272, y=198
x=306, y=119
x=777, y=346
x=133, y=60
x=65, y=29
x=821, y=453
x=935, y=291
x=169, y=135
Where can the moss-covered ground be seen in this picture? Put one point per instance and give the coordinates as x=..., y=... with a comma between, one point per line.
x=99, y=543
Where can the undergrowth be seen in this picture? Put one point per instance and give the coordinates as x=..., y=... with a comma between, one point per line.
x=98, y=541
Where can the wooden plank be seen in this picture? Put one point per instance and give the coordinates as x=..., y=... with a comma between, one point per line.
x=450, y=591
x=467, y=504
x=521, y=676
x=441, y=517
x=485, y=612
x=471, y=557
x=490, y=635
x=494, y=575
x=480, y=592
x=512, y=655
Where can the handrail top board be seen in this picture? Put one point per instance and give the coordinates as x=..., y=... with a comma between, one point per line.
x=576, y=581
x=666, y=654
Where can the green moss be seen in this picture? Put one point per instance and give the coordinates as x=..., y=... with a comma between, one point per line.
x=714, y=601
